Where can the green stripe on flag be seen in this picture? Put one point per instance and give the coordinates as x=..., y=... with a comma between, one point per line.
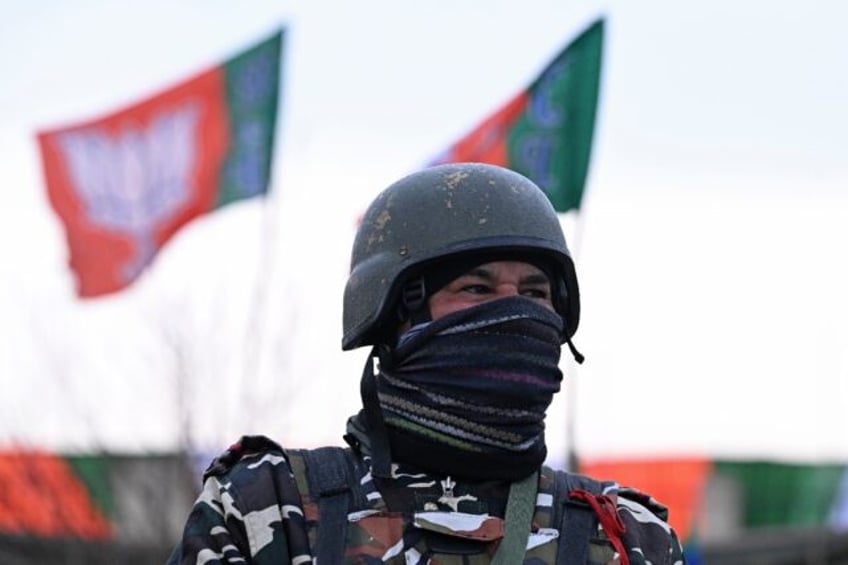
x=252, y=88
x=775, y=494
x=94, y=472
x=551, y=141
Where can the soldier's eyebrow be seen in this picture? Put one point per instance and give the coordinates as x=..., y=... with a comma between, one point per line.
x=536, y=278
x=486, y=275
x=480, y=273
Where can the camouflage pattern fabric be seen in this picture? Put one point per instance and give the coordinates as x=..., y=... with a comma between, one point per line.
x=256, y=508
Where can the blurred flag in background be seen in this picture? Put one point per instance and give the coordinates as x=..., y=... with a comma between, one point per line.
x=123, y=184
x=545, y=132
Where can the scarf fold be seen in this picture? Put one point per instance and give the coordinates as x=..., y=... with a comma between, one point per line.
x=466, y=395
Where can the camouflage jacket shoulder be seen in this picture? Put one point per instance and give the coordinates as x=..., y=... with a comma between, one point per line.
x=256, y=507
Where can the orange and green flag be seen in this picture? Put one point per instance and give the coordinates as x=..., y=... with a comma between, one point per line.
x=125, y=183
x=545, y=132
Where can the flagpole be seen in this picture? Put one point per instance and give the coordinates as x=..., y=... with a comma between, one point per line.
x=572, y=463
x=251, y=381
x=254, y=335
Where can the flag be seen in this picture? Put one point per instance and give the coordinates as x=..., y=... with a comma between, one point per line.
x=708, y=498
x=124, y=184
x=545, y=132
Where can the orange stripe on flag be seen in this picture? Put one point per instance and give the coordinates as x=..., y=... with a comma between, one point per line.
x=41, y=495
x=676, y=483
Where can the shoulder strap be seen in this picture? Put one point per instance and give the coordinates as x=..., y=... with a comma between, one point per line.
x=519, y=515
x=333, y=484
x=575, y=518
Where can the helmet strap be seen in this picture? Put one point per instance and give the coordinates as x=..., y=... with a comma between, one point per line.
x=576, y=354
x=413, y=302
x=381, y=457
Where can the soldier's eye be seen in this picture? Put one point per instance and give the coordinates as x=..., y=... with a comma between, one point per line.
x=535, y=293
x=477, y=288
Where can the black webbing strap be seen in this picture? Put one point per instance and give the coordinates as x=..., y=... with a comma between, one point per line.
x=330, y=478
x=381, y=457
x=577, y=521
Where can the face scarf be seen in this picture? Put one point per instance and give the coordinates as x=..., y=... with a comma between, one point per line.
x=466, y=395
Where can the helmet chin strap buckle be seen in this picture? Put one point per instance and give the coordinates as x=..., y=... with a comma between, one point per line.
x=414, y=294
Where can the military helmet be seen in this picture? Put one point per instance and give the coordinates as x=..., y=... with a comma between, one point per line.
x=439, y=213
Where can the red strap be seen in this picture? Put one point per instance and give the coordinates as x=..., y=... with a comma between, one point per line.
x=605, y=508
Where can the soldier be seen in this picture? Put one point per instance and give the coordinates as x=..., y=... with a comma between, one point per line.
x=462, y=284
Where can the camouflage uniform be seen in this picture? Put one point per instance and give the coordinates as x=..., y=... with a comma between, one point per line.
x=256, y=507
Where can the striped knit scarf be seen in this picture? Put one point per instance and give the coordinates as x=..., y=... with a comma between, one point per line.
x=466, y=395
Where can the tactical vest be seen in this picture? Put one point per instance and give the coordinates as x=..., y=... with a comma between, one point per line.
x=329, y=481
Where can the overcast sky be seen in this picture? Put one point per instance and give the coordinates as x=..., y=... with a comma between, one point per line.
x=710, y=249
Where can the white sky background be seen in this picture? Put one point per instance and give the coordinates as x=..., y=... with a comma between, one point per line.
x=711, y=248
